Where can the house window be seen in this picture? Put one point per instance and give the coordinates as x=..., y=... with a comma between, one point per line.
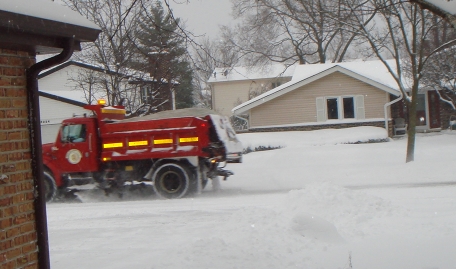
x=341, y=107
x=349, y=108
x=146, y=95
x=421, y=119
x=332, y=110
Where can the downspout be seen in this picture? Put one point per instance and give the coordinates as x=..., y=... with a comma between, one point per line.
x=386, y=111
x=36, y=151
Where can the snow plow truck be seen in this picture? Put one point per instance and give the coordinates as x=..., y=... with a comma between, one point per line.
x=177, y=152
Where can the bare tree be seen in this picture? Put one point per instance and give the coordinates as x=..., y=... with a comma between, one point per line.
x=118, y=49
x=114, y=49
x=291, y=31
x=88, y=80
x=440, y=69
x=440, y=74
x=407, y=29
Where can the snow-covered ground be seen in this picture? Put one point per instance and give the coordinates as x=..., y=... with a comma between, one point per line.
x=315, y=203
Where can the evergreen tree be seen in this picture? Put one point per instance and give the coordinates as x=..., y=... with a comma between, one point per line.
x=163, y=55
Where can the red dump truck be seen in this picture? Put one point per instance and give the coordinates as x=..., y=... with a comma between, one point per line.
x=176, y=152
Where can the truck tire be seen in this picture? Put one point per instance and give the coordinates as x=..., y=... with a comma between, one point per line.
x=50, y=188
x=171, y=180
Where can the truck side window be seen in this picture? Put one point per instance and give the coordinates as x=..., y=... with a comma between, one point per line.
x=73, y=133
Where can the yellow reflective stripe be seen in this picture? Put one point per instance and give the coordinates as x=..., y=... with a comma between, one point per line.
x=112, y=145
x=163, y=141
x=129, y=168
x=188, y=139
x=138, y=143
x=113, y=111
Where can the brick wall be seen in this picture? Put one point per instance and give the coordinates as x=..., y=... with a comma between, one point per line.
x=18, y=236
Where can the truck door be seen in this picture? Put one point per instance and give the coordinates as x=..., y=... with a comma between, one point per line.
x=77, y=148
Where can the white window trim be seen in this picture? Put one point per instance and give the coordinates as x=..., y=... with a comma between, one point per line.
x=358, y=103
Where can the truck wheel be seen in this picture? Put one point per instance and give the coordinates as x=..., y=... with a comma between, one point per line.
x=171, y=180
x=49, y=186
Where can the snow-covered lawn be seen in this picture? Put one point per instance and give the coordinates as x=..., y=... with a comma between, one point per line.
x=315, y=203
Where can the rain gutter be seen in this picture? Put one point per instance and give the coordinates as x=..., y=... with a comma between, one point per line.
x=386, y=111
x=36, y=151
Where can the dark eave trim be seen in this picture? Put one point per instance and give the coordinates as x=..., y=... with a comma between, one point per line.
x=32, y=42
x=14, y=22
x=61, y=99
x=66, y=64
x=41, y=36
x=132, y=80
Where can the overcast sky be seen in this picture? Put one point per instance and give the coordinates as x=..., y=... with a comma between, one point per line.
x=203, y=16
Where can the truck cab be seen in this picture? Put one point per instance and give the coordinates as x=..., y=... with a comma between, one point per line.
x=75, y=150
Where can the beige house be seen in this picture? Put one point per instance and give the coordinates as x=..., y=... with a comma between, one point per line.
x=234, y=86
x=335, y=95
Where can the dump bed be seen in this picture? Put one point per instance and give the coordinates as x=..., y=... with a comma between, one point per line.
x=168, y=134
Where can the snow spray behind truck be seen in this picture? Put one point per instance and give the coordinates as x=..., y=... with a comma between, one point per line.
x=176, y=151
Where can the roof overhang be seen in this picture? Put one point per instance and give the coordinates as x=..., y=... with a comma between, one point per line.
x=61, y=99
x=443, y=8
x=132, y=79
x=293, y=85
x=41, y=32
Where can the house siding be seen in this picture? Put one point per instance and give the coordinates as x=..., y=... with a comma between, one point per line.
x=18, y=234
x=227, y=95
x=60, y=80
x=50, y=122
x=299, y=106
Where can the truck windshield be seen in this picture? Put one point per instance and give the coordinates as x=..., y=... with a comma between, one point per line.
x=73, y=133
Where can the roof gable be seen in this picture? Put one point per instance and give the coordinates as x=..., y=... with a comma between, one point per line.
x=373, y=73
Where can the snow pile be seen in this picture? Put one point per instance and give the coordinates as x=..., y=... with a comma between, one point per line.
x=352, y=213
x=293, y=233
x=310, y=225
x=352, y=135
x=263, y=238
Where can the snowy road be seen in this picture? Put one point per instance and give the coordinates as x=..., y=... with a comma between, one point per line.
x=406, y=185
x=275, y=214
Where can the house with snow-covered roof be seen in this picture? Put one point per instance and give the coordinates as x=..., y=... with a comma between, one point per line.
x=337, y=95
x=61, y=95
x=235, y=85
